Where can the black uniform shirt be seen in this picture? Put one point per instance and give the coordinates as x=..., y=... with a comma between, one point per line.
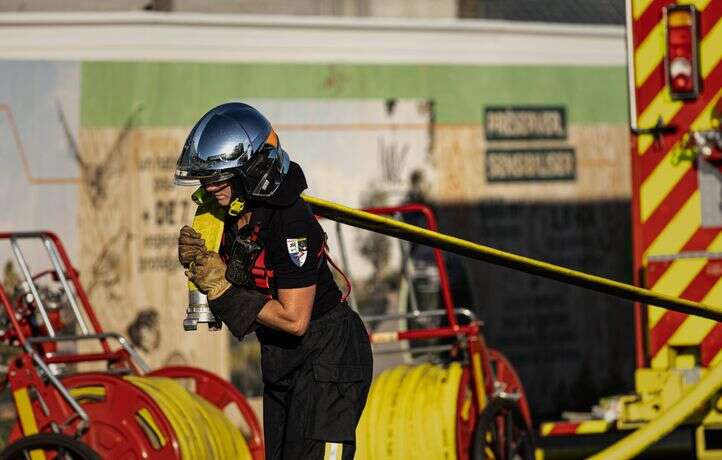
x=292, y=238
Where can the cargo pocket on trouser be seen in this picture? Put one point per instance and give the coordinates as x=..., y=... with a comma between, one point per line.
x=335, y=399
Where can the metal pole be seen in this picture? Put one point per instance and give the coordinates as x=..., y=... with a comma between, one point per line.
x=424, y=314
x=58, y=385
x=31, y=284
x=55, y=260
x=406, y=273
x=345, y=264
x=125, y=343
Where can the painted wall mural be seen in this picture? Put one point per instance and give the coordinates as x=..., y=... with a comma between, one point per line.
x=531, y=159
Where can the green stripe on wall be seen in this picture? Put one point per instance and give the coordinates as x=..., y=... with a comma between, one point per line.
x=177, y=94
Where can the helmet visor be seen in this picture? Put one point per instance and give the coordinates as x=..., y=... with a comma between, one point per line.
x=196, y=178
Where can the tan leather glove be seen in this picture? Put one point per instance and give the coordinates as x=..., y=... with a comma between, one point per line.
x=208, y=272
x=190, y=245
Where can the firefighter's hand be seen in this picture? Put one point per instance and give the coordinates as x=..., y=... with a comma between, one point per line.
x=208, y=272
x=190, y=245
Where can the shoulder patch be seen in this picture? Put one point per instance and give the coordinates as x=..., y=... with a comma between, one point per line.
x=297, y=249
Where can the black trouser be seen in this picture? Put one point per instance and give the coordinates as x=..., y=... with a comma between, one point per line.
x=315, y=387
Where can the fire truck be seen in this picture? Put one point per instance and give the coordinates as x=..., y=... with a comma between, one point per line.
x=675, y=89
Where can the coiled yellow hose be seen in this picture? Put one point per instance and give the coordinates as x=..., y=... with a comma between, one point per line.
x=202, y=430
x=410, y=414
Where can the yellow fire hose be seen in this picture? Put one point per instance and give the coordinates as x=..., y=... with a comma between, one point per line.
x=410, y=414
x=694, y=400
x=202, y=430
x=391, y=227
x=626, y=448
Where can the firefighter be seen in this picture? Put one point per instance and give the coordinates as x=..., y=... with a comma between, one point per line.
x=272, y=277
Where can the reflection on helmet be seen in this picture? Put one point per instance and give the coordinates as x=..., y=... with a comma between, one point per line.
x=233, y=140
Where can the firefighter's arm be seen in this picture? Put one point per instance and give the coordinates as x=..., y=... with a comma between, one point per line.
x=291, y=312
x=237, y=307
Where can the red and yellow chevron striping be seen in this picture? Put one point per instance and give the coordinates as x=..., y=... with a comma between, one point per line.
x=569, y=428
x=649, y=65
x=667, y=195
x=711, y=345
x=694, y=279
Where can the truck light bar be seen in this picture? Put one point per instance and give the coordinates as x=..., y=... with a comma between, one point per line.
x=681, y=62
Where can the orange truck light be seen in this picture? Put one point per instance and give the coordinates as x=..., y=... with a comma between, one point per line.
x=681, y=61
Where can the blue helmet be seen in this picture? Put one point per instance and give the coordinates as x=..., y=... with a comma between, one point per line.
x=233, y=141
